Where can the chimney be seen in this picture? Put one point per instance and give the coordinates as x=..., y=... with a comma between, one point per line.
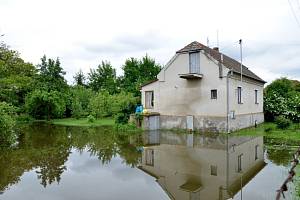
x=216, y=49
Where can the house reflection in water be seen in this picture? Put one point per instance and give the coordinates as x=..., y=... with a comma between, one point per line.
x=192, y=166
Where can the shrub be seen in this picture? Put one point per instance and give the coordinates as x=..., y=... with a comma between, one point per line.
x=100, y=105
x=282, y=122
x=45, y=105
x=269, y=129
x=7, y=123
x=91, y=118
x=80, y=100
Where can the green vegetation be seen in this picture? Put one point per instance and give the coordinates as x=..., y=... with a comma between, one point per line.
x=84, y=122
x=42, y=93
x=7, y=122
x=271, y=131
x=282, y=122
x=282, y=98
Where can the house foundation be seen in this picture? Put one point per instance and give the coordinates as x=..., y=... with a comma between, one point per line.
x=201, y=123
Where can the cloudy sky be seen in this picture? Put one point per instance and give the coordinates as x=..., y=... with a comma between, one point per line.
x=82, y=33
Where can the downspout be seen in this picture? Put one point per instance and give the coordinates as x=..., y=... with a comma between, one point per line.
x=227, y=100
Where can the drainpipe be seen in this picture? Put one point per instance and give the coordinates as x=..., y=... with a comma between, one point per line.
x=227, y=100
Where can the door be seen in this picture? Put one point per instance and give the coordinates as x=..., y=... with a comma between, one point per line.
x=190, y=122
x=153, y=122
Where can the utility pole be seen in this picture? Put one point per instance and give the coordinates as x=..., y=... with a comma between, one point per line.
x=241, y=54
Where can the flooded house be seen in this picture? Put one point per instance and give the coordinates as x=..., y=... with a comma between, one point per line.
x=192, y=167
x=201, y=88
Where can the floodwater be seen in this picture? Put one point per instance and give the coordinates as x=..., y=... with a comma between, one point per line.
x=61, y=163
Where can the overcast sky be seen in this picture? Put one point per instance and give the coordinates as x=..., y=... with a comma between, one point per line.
x=82, y=33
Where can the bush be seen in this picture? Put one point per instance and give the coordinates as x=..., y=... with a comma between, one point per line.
x=269, y=129
x=45, y=105
x=7, y=123
x=282, y=122
x=91, y=118
x=130, y=127
x=100, y=105
x=80, y=99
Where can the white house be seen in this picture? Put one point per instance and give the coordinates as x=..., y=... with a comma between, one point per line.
x=201, y=88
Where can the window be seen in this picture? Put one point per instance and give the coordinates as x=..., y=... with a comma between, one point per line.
x=255, y=96
x=256, y=152
x=239, y=90
x=213, y=94
x=149, y=157
x=194, y=58
x=240, y=163
x=213, y=170
x=232, y=114
x=149, y=99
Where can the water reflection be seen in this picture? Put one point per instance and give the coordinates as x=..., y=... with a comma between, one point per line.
x=196, y=166
x=53, y=162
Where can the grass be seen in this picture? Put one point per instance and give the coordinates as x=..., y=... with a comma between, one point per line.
x=83, y=122
x=271, y=131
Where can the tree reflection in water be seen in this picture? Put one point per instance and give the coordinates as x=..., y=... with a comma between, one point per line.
x=46, y=148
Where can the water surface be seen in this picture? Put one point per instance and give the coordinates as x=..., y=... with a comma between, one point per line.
x=56, y=162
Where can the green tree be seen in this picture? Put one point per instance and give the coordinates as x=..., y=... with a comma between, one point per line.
x=16, y=76
x=79, y=78
x=282, y=99
x=100, y=105
x=103, y=78
x=80, y=100
x=42, y=104
x=51, y=75
x=138, y=72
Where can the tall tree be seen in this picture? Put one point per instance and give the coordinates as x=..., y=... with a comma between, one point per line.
x=79, y=78
x=16, y=76
x=138, y=72
x=103, y=78
x=51, y=75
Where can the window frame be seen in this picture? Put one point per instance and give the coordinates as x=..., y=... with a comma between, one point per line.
x=256, y=96
x=149, y=161
x=214, y=170
x=194, y=69
x=256, y=152
x=152, y=99
x=240, y=168
x=212, y=92
x=239, y=94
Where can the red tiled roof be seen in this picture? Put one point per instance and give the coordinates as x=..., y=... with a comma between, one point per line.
x=227, y=61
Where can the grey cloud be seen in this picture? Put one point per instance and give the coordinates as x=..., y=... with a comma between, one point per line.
x=129, y=43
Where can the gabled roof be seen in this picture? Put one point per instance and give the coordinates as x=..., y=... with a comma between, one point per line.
x=227, y=61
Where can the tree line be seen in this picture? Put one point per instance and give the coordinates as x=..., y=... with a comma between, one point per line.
x=41, y=91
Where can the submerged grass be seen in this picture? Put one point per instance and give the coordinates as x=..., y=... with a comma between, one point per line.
x=83, y=122
x=271, y=131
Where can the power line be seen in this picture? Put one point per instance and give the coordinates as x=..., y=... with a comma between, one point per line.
x=295, y=16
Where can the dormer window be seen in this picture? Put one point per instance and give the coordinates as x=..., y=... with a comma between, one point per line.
x=194, y=59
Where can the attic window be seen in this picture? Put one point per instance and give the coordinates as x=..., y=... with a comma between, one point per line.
x=194, y=62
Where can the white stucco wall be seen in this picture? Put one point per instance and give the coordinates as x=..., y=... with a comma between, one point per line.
x=179, y=96
x=248, y=96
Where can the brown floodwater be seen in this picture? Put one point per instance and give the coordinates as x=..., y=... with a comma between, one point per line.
x=71, y=163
